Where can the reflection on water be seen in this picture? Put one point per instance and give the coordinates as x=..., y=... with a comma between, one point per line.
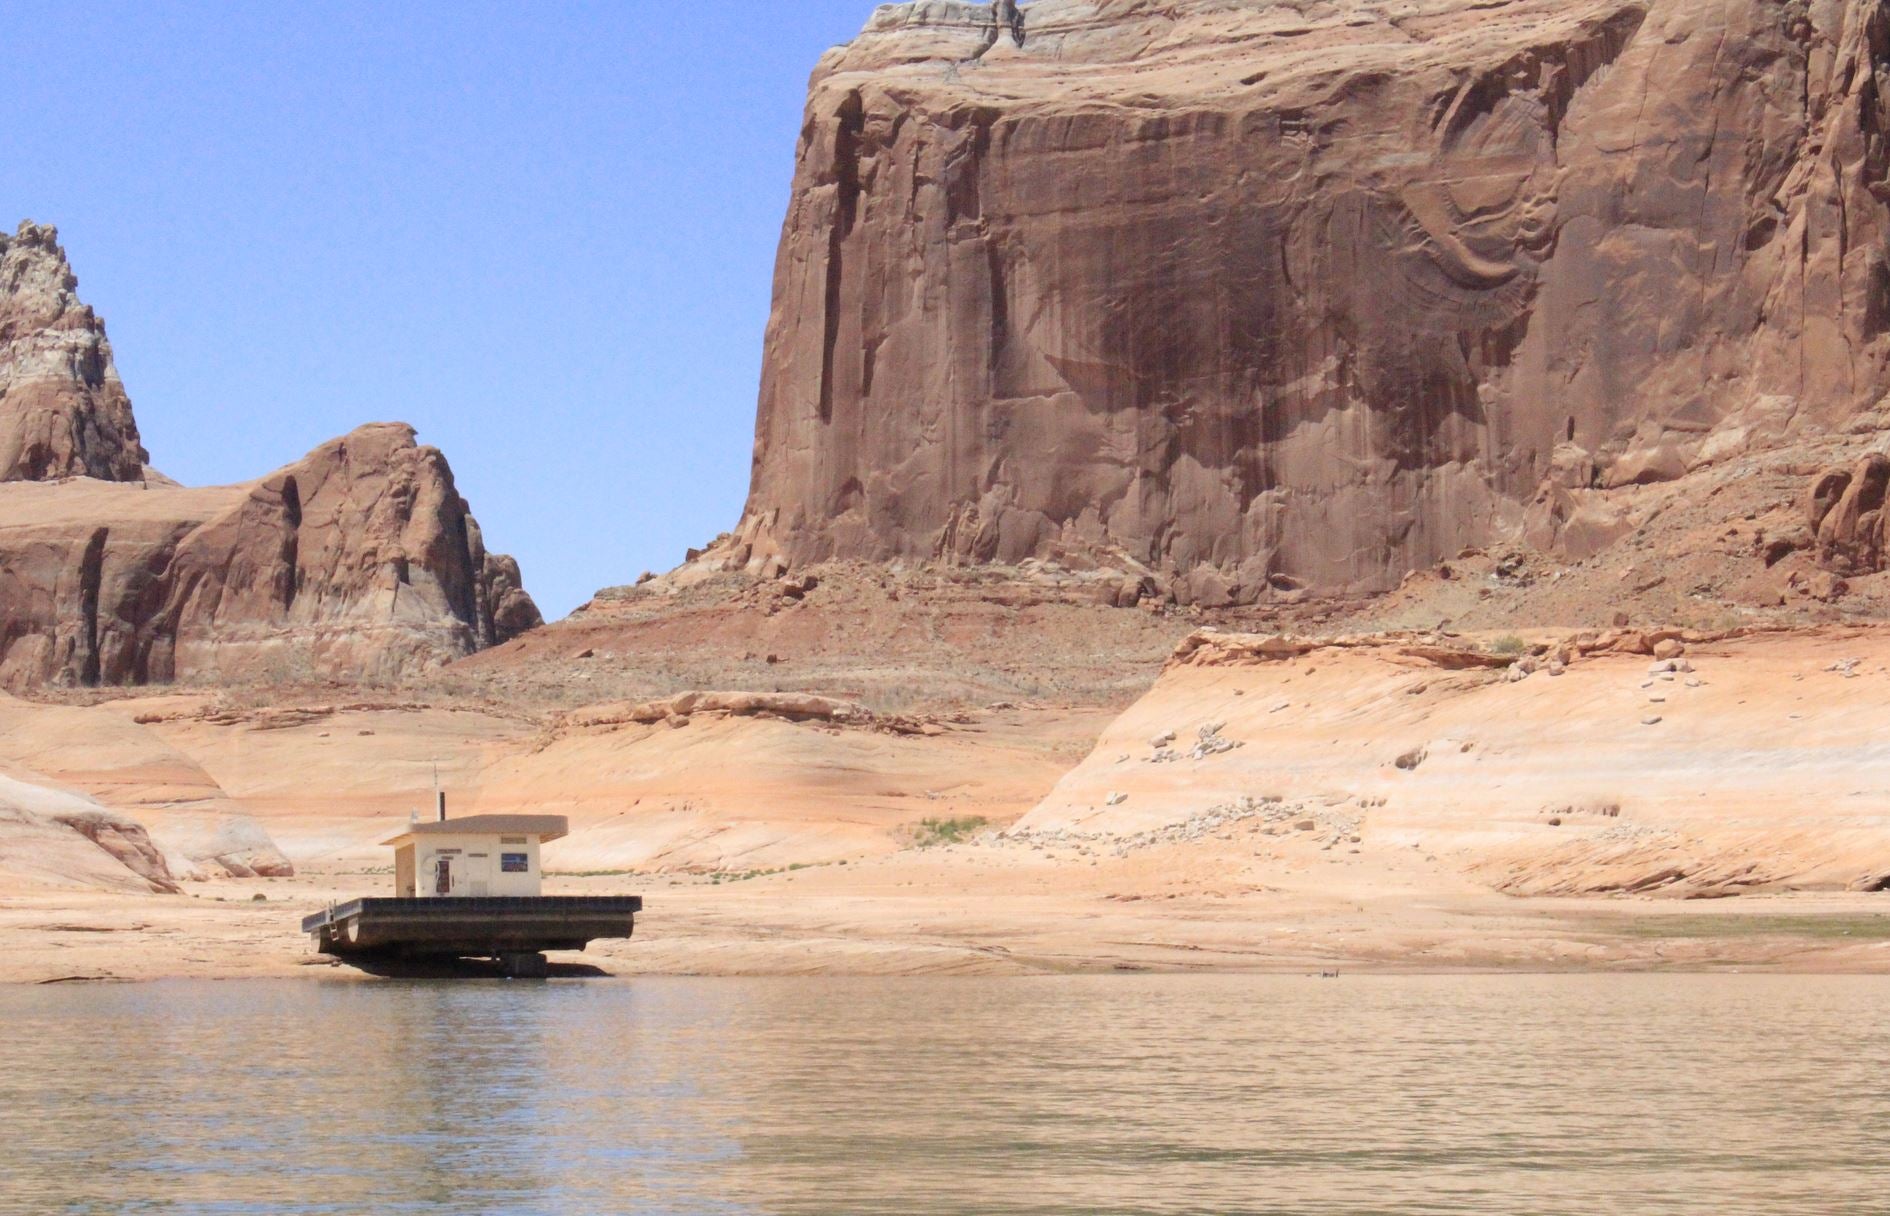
x=1134, y=1094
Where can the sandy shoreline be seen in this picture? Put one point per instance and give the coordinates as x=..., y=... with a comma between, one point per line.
x=1267, y=805
x=920, y=914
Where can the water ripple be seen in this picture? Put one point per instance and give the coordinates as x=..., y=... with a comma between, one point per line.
x=1133, y=1095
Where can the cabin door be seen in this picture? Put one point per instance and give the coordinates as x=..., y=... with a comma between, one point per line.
x=442, y=875
x=406, y=882
x=478, y=875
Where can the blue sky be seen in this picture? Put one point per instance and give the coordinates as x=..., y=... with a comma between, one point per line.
x=542, y=233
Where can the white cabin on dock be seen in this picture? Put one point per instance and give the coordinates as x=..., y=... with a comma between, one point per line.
x=474, y=856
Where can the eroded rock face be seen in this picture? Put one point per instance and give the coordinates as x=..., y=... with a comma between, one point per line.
x=1844, y=510
x=364, y=538
x=1262, y=292
x=360, y=560
x=58, y=838
x=126, y=842
x=63, y=411
x=99, y=753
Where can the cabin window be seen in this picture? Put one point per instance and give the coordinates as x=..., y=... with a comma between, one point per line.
x=511, y=840
x=515, y=863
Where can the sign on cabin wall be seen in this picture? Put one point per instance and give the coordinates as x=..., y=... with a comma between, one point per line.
x=514, y=863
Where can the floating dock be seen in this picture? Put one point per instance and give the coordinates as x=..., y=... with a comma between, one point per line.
x=515, y=930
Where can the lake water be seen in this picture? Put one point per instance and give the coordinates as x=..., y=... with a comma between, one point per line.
x=1131, y=1094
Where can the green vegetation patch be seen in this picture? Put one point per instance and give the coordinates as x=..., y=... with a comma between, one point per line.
x=722, y=876
x=929, y=833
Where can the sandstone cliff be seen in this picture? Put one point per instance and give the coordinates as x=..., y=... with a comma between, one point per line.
x=63, y=411
x=358, y=561
x=1271, y=295
x=361, y=560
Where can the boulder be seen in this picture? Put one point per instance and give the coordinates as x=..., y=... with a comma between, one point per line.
x=1844, y=509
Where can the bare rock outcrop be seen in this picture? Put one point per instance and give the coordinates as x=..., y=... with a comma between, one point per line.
x=360, y=560
x=1844, y=510
x=793, y=706
x=1326, y=293
x=1386, y=757
x=126, y=842
x=63, y=410
x=363, y=552
x=56, y=838
x=99, y=753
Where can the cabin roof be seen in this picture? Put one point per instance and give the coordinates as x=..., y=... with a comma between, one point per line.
x=545, y=827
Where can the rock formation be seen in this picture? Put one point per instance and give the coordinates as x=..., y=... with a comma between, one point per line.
x=1844, y=511
x=98, y=752
x=360, y=560
x=1269, y=295
x=1412, y=761
x=63, y=411
x=1004, y=18
x=57, y=838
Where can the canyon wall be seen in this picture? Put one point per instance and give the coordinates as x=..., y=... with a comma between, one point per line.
x=1266, y=296
x=359, y=561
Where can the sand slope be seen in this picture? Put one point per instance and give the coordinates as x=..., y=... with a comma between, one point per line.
x=725, y=791
x=1763, y=767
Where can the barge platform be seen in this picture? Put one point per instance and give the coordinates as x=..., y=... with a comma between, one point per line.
x=515, y=930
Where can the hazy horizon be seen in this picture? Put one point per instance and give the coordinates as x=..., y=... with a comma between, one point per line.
x=543, y=237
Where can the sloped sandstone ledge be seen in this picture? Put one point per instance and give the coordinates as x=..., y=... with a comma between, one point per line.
x=56, y=838
x=1218, y=648
x=678, y=710
x=101, y=754
x=1679, y=763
